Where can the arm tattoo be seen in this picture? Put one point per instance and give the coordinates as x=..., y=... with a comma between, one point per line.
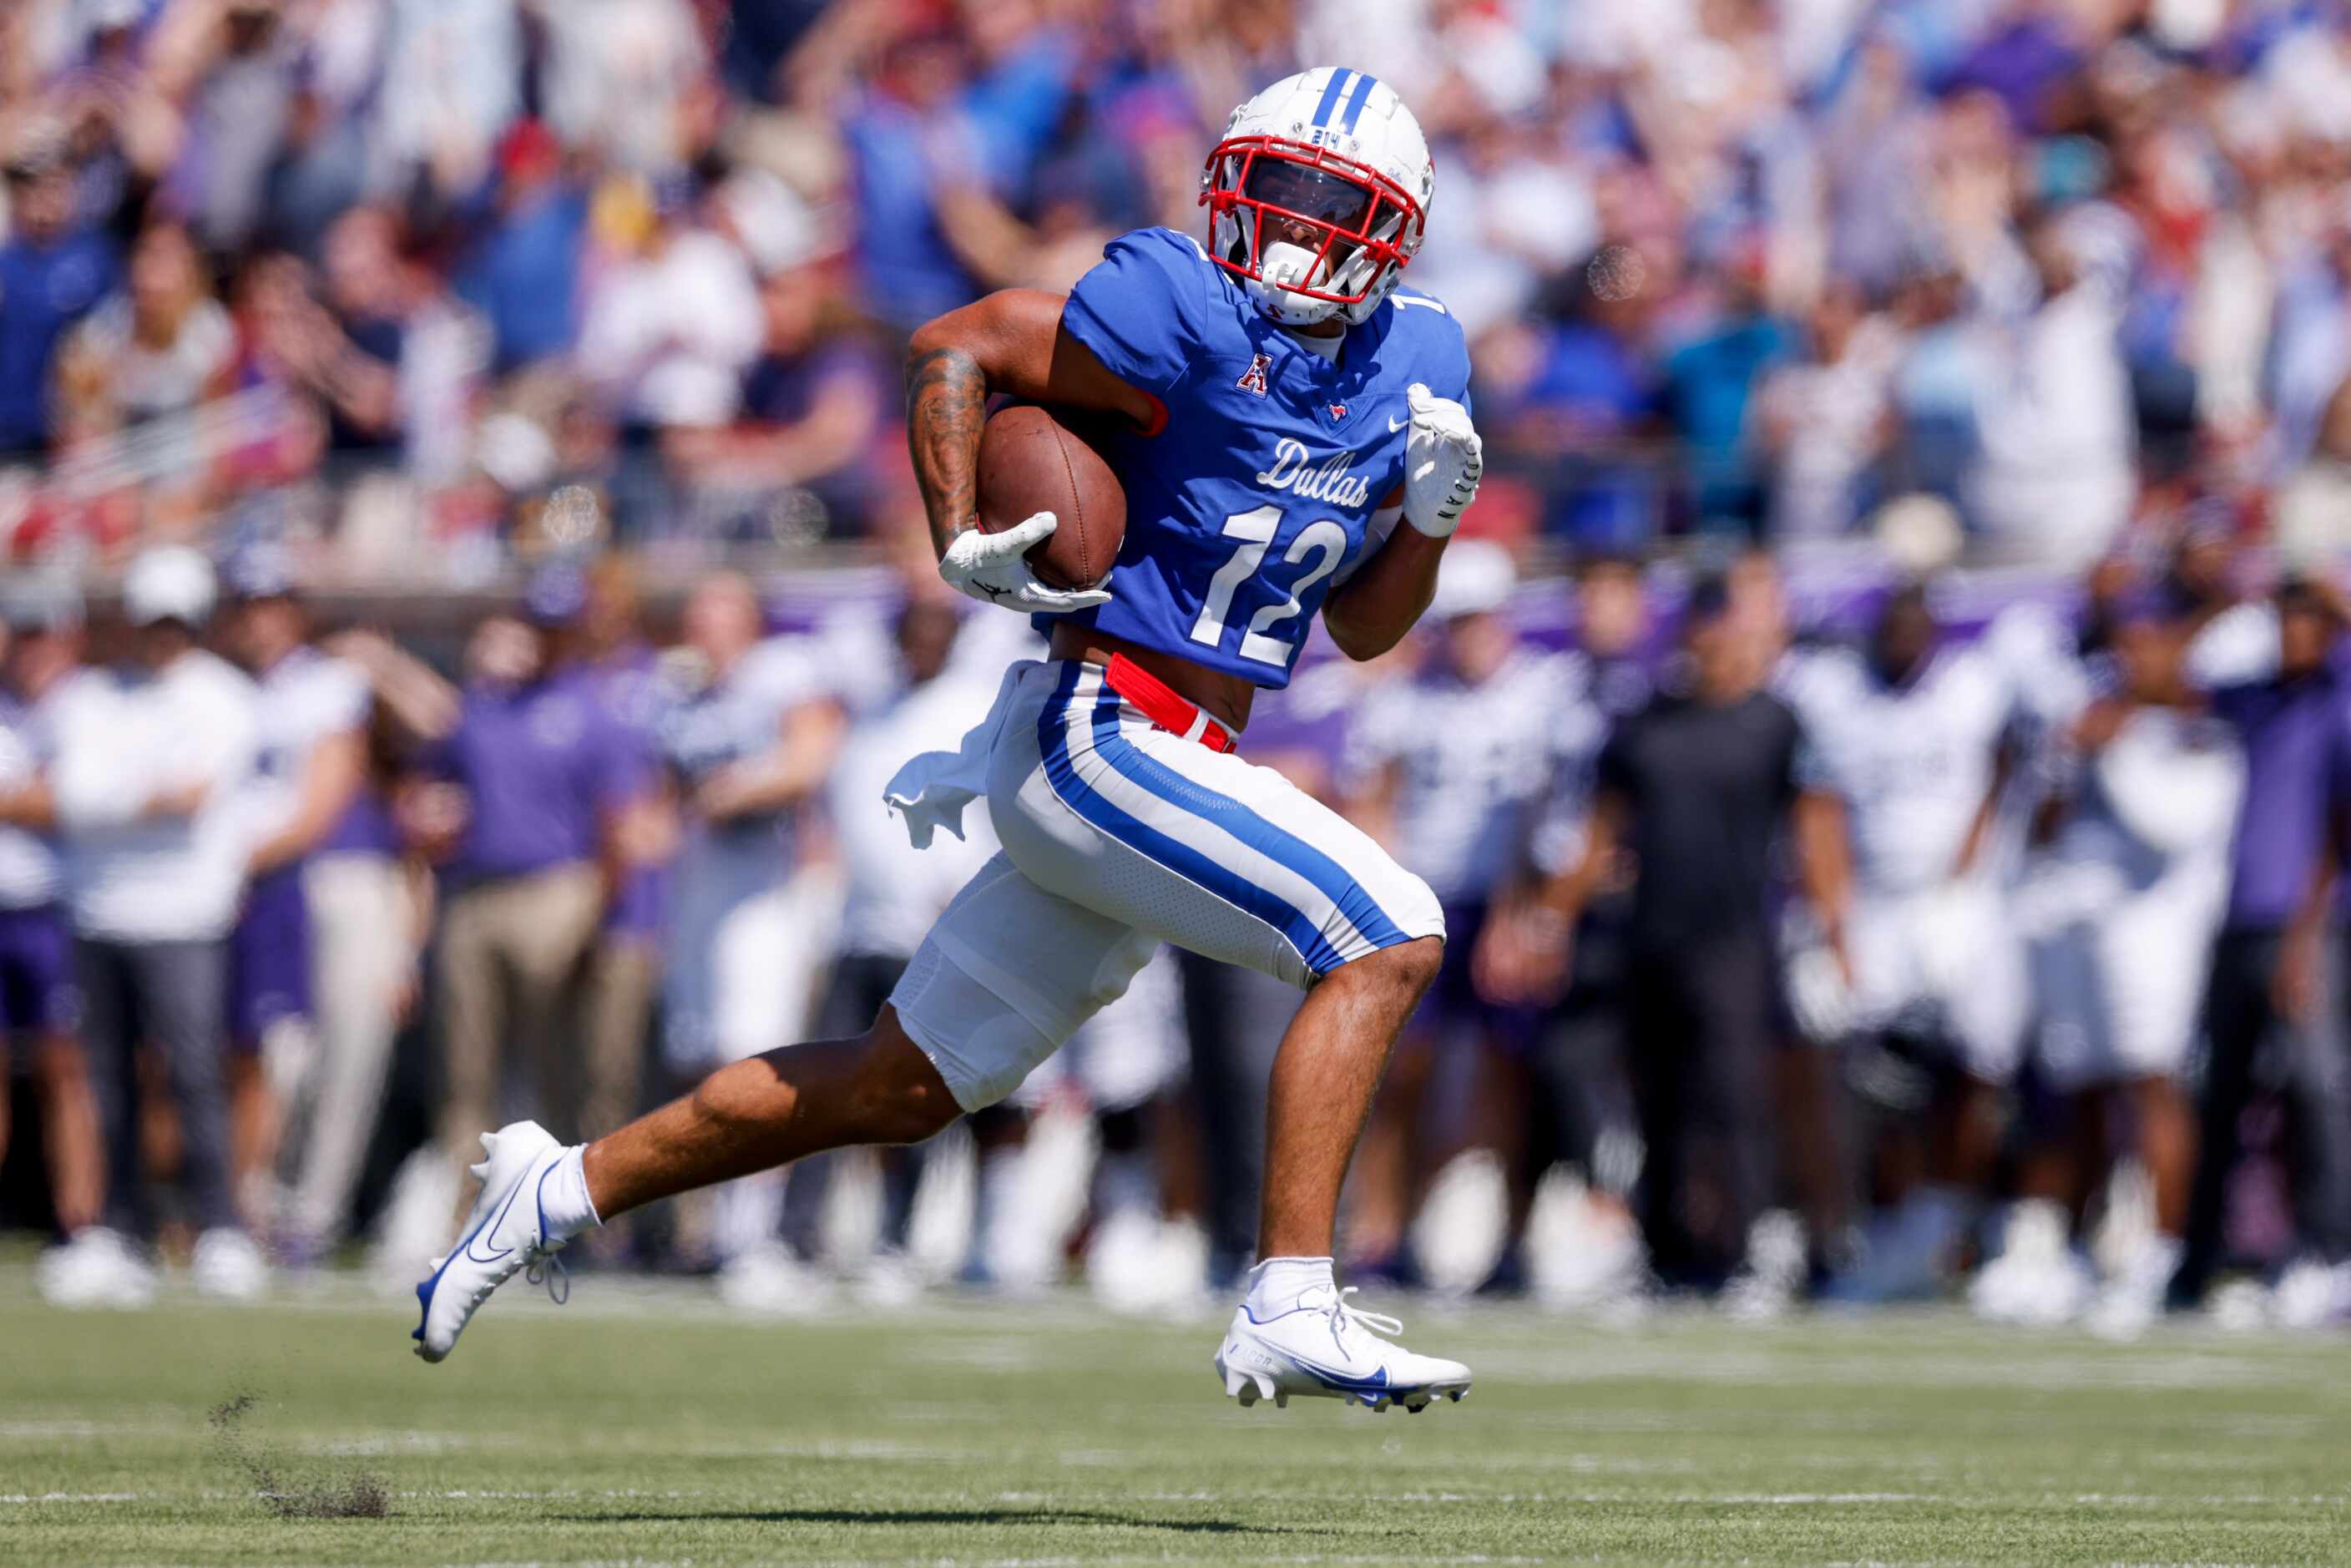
x=946, y=404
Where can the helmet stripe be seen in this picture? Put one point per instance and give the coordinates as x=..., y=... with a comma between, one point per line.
x=1356, y=99
x=1331, y=91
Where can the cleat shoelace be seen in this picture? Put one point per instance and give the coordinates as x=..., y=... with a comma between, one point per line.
x=543, y=1267
x=1342, y=1315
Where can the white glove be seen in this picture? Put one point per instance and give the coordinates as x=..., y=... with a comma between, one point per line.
x=989, y=568
x=1818, y=996
x=1442, y=461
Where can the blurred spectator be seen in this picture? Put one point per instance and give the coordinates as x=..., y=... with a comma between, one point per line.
x=523, y=271
x=2274, y=1014
x=232, y=67
x=153, y=760
x=622, y=78
x=1582, y=390
x=1698, y=785
x=602, y=638
x=544, y=777
x=2055, y=483
x=311, y=769
x=671, y=327
x=386, y=354
x=1709, y=383
x=328, y=161
x=452, y=81
x=814, y=405
x=159, y=349
x=40, y=1005
x=1826, y=419
x=54, y=271
x=915, y=156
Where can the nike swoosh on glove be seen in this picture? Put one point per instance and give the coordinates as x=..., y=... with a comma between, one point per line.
x=989, y=568
x=1443, y=462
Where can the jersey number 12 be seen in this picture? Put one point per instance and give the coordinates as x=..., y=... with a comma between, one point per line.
x=1255, y=528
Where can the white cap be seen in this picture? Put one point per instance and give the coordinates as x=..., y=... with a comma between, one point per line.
x=170, y=583
x=1476, y=576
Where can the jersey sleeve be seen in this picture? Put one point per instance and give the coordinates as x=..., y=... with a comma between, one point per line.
x=787, y=672
x=344, y=698
x=1441, y=352
x=1139, y=310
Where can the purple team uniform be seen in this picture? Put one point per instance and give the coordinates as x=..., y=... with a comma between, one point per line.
x=37, y=993
x=541, y=764
x=306, y=698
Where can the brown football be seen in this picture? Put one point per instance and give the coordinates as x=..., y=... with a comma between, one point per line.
x=1029, y=462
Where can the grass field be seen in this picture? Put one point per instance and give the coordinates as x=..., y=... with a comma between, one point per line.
x=642, y=1425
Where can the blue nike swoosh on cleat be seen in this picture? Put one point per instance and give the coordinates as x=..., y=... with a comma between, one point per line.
x=462, y=1250
x=1345, y=1383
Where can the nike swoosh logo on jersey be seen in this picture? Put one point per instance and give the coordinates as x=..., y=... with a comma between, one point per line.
x=1395, y=424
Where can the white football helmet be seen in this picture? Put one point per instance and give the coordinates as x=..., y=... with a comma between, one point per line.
x=1317, y=195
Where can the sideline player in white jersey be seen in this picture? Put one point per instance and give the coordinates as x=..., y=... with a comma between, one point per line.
x=2121, y=910
x=40, y=1003
x=749, y=727
x=312, y=765
x=1276, y=403
x=1907, y=740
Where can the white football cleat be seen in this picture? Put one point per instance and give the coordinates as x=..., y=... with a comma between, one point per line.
x=97, y=1269
x=228, y=1265
x=1324, y=1348
x=2311, y=1293
x=505, y=1233
x=2035, y=1279
x=768, y=1280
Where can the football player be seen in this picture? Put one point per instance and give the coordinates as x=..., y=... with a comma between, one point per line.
x=1280, y=404
x=1907, y=756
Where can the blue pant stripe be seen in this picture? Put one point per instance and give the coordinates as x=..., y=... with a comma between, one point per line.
x=1356, y=99
x=1303, y=935
x=1331, y=91
x=1329, y=878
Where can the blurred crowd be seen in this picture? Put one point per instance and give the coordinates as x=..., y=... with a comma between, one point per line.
x=413, y=287
x=1948, y=939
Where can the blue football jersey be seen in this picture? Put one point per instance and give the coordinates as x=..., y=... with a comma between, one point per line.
x=1256, y=494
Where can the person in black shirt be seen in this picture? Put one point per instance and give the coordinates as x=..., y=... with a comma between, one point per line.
x=1698, y=785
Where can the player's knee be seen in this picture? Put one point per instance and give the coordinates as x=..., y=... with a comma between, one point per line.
x=900, y=1094
x=1408, y=968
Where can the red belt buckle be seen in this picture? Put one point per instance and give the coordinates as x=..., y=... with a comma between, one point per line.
x=1157, y=702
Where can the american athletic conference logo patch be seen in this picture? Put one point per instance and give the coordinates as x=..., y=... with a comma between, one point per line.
x=1253, y=379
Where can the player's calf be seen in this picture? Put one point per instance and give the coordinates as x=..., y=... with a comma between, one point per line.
x=749, y=1116
x=768, y=1110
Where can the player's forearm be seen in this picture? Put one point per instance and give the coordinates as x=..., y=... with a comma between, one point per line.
x=30, y=806
x=1013, y=343
x=330, y=782
x=1567, y=894
x=946, y=404
x=1824, y=860
x=1383, y=601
